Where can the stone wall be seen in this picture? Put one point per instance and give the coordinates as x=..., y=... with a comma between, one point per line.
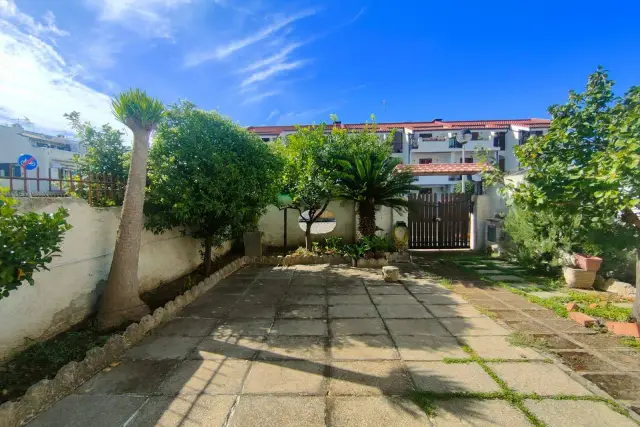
x=68, y=293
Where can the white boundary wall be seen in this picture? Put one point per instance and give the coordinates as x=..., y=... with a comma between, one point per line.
x=67, y=294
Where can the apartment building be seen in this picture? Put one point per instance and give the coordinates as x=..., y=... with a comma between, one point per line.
x=53, y=153
x=435, y=147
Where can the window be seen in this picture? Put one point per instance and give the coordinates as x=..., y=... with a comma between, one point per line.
x=4, y=170
x=467, y=159
x=266, y=139
x=537, y=133
x=501, y=164
x=476, y=136
x=426, y=191
x=426, y=161
x=524, y=136
x=500, y=141
x=397, y=142
x=426, y=135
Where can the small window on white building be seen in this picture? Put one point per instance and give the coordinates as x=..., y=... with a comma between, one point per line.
x=475, y=136
x=426, y=135
x=426, y=161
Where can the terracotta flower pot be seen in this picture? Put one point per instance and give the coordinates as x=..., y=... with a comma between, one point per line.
x=588, y=263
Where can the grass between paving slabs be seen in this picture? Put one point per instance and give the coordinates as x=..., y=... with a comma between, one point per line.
x=43, y=360
x=428, y=401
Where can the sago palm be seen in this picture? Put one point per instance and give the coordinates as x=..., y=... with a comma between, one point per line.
x=121, y=300
x=373, y=181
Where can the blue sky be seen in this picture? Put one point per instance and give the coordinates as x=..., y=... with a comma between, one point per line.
x=287, y=62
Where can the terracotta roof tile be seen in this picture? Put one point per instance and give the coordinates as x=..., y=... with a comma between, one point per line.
x=443, y=168
x=418, y=126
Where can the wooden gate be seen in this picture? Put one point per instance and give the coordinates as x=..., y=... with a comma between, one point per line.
x=439, y=221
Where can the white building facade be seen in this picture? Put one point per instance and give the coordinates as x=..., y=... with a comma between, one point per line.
x=434, y=142
x=54, y=155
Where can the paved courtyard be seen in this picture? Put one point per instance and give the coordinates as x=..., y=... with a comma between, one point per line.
x=331, y=346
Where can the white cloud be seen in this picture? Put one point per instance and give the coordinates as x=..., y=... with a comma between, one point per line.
x=273, y=114
x=152, y=18
x=272, y=71
x=221, y=52
x=37, y=82
x=9, y=11
x=277, y=58
x=260, y=97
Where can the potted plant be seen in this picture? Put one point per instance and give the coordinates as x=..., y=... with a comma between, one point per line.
x=587, y=262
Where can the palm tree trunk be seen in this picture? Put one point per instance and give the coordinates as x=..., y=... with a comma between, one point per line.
x=367, y=213
x=121, y=301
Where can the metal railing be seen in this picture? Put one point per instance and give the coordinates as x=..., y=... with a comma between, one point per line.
x=97, y=189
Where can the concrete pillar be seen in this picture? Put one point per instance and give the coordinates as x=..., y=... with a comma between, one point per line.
x=481, y=212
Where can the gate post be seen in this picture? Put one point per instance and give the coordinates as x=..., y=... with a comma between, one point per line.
x=479, y=216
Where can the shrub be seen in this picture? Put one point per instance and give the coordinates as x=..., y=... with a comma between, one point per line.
x=28, y=242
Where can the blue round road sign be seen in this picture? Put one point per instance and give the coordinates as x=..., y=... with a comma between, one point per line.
x=28, y=162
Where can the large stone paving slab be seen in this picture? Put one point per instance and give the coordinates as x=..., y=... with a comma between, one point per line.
x=183, y=411
x=544, y=379
x=440, y=299
x=478, y=413
x=280, y=347
x=457, y=310
x=357, y=327
x=187, y=327
x=301, y=377
x=303, y=312
x=362, y=347
x=387, y=290
x=243, y=327
x=473, y=326
x=561, y=413
x=345, y=311
x=505, y=278
x=279, y=411
x=90, y=410
x=416, y=327
x=158, y=347
x=497, y=347
x=139, y=377
x=349, y=299
x=374, y=412
x=211, y=348
x=451, y=377
x=206, y=377
x=408, y=311
x=368, y=378
x=300, y=327
x=393, y=299
x=428, y=347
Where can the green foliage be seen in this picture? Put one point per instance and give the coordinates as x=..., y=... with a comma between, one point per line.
x=208, y=175
x=469, y=188
x=28, y=242
x=137, y=110
x=370, y=180
x=334, y=245
x=585, y=172
x=379, y=243
x=43, y=360
x=357, y=250
x=106, y=153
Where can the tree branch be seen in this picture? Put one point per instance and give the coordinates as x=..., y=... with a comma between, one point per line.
x=630, y=217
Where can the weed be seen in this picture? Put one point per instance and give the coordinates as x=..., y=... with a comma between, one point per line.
x=447, y=283
x=486, y=312
x=454, y=360
x=630, y=342
x=519, y=339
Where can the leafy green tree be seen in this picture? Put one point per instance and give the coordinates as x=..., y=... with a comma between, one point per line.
x=587, y=168
x=371, y=181
x=469, y=188
x=121, y=300
x=209, y=176
x=308, y=155
x=105, y=149
x=28, y=242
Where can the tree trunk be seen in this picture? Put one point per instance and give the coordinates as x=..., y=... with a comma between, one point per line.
x=367, y=214
x=121, y=301
x=636, y=303
x=207, y=256
x=307, y=236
